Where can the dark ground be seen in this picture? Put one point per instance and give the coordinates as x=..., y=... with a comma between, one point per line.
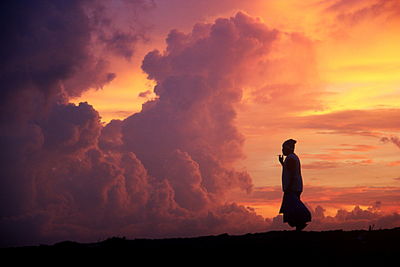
x=327, y=248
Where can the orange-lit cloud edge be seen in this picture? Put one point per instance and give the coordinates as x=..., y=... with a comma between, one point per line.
x=348, y=98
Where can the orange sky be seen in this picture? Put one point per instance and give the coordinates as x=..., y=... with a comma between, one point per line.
x=338, y=57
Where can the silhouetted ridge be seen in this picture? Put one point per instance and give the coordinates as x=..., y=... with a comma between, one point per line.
x=329, y=247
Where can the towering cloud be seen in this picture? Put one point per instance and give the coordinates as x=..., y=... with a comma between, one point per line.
x=186, y=138
x=164, y=171
x=160, y=172
x=53, y=50
x=199, y=80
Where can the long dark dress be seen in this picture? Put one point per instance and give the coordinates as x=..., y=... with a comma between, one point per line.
x=295, y=213
x=293, y=209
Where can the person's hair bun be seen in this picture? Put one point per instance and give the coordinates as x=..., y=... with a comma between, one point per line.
x=290, y=143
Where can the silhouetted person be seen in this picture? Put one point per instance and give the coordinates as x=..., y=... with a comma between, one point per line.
x=295, y=213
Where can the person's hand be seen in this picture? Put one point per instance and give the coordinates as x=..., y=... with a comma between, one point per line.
x=280, y=157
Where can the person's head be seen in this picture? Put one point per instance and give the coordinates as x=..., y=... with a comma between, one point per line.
x=288, y=147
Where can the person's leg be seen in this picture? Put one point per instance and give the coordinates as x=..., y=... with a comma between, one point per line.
x=300, y=225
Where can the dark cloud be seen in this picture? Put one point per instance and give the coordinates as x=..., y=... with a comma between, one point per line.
x=161, y=172
x=58, y=49
x=70, y=128
x=50, y=153
x=118, y=25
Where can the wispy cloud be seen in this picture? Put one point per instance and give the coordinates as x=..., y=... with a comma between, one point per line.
x=393, y=139
x=320, y=165
x=352, y=121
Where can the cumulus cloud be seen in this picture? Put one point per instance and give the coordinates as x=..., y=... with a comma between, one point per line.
x=119, y=25
x=199, y=80
x=355, y=219
x=165, y=171
x=49, y=147
x=161, y=172
x=50, y=58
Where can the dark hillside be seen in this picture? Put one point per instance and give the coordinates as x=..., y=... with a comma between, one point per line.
x=327, y=248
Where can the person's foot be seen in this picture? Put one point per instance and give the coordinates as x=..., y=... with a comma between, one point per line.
x=300, y=227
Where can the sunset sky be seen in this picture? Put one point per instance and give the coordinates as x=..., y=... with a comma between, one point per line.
x=188, y=103
x=345, y=65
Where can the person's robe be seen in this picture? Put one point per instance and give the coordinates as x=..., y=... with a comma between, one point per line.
x=293, y=209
